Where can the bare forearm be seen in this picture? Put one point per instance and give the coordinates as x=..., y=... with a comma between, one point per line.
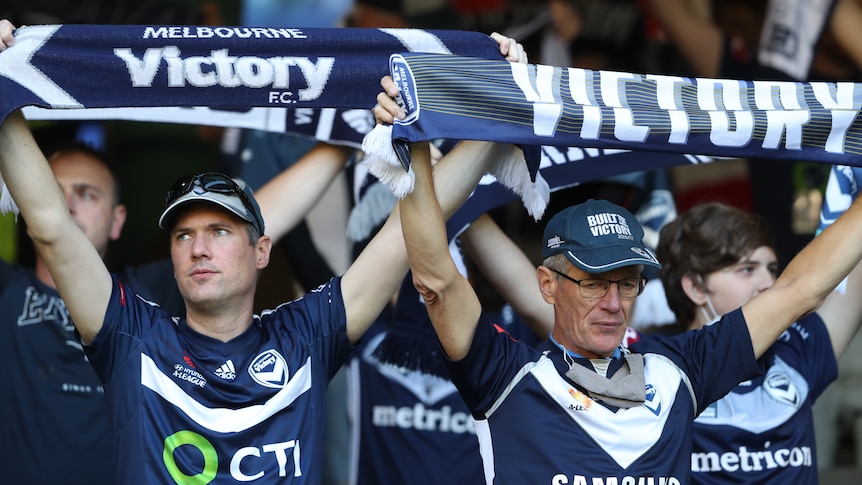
x=808, y=279
x=69, y=255
x=696, y=37
x=286, y=199
x=423, y=224
x=456, y=176
x=488, y=245
x=377, y=273
x=30, y=180
x=436, y=196
x=451, y=302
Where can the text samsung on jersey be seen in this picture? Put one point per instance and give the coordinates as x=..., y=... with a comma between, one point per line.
x=222, y=69
x=625, y=480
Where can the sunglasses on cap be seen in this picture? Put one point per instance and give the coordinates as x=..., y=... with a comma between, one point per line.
x=216, y=183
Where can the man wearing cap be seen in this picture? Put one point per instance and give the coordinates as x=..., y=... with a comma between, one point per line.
x=581, y=409
x=222, y=395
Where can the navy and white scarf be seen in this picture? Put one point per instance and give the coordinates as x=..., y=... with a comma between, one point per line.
x=524, y=104
x=599, y=123
x=318, y=82
x=231, y=68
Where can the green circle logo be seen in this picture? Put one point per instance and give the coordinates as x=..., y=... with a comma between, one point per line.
x=191, y=438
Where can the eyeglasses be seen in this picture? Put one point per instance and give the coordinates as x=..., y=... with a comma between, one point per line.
x=219, y=184
x=597, y=288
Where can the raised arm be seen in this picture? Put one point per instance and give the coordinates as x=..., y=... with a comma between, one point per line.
x=286, y=199
x=76, y=267
x=515, y=279
x=807, y=281
x=452, y=304
x=845, y=21
x=842, y=312
x=698, y=39
x=378, y=271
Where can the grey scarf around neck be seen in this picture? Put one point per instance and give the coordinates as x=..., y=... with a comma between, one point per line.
x=625, y=389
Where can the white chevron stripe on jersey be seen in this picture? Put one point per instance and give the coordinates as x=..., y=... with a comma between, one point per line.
x=626, y=434
x=486, y=449
x=773, y=403
x=224, y=420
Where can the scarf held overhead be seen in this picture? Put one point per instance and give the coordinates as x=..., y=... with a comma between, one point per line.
x=278, y=79
x=530, y=104
x=226, y=76
x=110, y=66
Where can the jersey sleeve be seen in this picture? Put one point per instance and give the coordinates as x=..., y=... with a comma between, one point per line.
x=127, y=319
x=715, y=358
x=155, y=282
x=318, y=319
x=807, y=341
x=494, y=358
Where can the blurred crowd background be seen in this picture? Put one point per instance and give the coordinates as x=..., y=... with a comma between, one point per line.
x=623, y=35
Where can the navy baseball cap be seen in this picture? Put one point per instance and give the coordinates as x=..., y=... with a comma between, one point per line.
x=597, y=236
x=232, y=194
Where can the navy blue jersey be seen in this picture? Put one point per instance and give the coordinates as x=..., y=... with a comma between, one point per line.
x=56, y=427
x=187, y=408
x=412, y=426
x=535, y=426
x=763, y=430
x=407, y=426
x=155, y=282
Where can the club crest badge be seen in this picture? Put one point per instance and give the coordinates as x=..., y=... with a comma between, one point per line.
x=269, y=369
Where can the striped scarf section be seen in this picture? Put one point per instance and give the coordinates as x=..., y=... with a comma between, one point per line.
x=529, y=104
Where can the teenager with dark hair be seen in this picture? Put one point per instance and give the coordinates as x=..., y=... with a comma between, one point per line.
x=716, y=258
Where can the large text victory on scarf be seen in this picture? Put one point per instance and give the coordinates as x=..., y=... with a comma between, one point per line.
x=536, y=104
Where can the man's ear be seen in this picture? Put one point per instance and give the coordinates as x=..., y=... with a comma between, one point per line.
x=693, y=289
x=264, y=250
x=118, y=220
x=547, y=283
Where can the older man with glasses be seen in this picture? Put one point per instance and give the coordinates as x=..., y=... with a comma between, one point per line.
x=583, y=408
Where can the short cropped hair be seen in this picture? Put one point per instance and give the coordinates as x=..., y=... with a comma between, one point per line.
x=76, y=147
x=557, y=262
